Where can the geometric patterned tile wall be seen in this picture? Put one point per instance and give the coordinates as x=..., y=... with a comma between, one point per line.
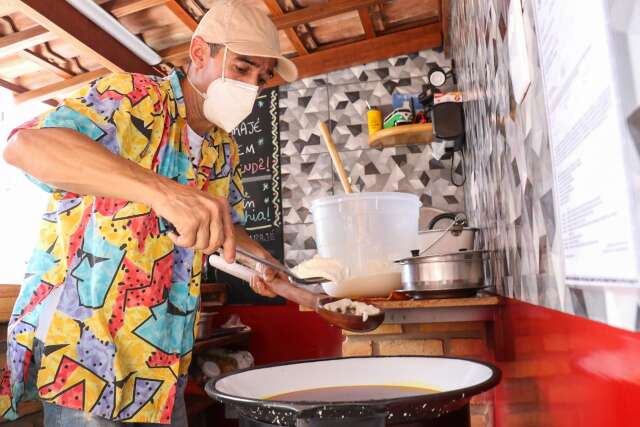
x=339, y=99
x=509, y=191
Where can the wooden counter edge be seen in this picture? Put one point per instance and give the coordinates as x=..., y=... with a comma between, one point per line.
x=482, y=300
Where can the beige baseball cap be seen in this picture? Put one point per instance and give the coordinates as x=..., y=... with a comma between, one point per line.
x=245, y=30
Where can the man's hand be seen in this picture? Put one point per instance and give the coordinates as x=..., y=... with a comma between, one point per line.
x=202, y=221
x=260, y=282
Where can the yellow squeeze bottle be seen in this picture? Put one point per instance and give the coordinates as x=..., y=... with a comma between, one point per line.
x=374, y=119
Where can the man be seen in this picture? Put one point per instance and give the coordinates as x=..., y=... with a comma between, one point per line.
x=103, y=328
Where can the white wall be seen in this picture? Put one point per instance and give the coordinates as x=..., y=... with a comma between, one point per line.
x=21, y=202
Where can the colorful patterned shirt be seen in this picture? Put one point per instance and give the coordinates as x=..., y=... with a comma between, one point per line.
x=120, y=340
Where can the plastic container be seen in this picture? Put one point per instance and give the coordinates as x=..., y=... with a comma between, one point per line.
x=367, y=231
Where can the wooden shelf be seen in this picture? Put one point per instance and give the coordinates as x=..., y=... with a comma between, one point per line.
x=402, y=135
x=239, y=338
x=208, y=288
x=480, y=300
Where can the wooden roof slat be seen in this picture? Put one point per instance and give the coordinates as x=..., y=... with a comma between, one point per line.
x=6, y=8
x=362, y=52
x=359, y=52
x=296, y=41
x=410, y=25
x=180, y=13
x=21, y=89
x=320, y=11
x=175, y=53
x=367, y=23
x=50, y=91
x=276, y=10
x=69, y=24
x=120, y=8
x=445, y=16
x=45, y=63
x=20, y=40
x=376, y=18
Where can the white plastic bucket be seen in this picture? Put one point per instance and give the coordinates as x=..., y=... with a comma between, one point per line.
x=364, y=228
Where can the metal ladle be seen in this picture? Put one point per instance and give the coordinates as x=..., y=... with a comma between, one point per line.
x=300, y=296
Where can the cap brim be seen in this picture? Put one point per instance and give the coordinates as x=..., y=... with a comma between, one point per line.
x=286, y=68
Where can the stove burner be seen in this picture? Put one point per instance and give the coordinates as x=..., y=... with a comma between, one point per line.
x=441, y=293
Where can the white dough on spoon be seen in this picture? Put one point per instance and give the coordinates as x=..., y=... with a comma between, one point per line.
x=356, y=308
x=329, y=268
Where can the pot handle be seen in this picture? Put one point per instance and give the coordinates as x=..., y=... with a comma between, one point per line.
x=446, y=215
x=455, y=227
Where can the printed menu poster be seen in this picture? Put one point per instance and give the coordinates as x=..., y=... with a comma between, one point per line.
x=588, y=137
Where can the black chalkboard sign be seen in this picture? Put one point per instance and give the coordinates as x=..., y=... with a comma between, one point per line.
x=259, y=144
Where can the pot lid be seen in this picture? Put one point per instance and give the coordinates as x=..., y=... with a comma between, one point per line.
x=450, y=257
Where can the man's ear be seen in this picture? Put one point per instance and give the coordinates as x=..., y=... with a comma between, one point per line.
x=199, y=52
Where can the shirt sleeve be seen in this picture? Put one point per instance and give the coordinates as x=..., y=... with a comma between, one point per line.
x=236, y=189
x=113, y=111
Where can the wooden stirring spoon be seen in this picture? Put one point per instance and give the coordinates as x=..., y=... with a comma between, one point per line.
x=300, y=296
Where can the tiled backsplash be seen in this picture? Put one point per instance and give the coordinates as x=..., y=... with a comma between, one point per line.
x=338, y=98
x=509, y=181
x=509, y=190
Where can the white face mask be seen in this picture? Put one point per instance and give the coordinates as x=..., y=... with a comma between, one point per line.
x=227, y=101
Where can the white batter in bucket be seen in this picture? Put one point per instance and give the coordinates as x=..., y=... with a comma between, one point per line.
x=382, y=278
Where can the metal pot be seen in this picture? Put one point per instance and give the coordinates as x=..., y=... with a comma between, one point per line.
x=445, y=272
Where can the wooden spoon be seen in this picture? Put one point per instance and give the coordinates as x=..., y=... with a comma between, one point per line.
x=335, y=157
x=302, y=297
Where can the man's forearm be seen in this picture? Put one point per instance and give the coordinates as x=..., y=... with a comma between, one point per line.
x=70, y=161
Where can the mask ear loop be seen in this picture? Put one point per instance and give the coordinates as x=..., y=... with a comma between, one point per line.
x=224, y=62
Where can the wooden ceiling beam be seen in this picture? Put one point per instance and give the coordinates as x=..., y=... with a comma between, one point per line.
x=20, y=40
x=65, y=86
x=6, y=8
x=120, y=8
x=320, y=11
x=296, y=41
x=362, y=52
x=343, y=56
x=445, y=18
x=367, y=23
x=69, y=24
x=175, y=53
x=45, y=63
x=377, y=18
x=410, y=25
x=180, y=13
x=292, y=35
x=21, y=89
